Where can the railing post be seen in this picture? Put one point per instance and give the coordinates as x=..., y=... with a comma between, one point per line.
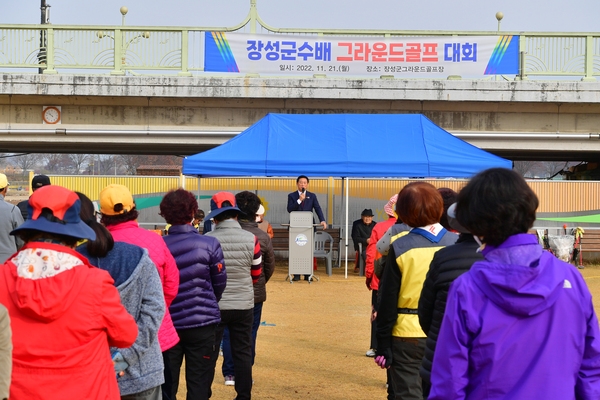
x=184, y=54
x=589, y=59
x=50, y=53
x=118, y=43
x=253, y=16
x=521, y=76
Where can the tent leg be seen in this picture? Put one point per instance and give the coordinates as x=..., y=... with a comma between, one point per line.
x=346, y=230
x=198, y=190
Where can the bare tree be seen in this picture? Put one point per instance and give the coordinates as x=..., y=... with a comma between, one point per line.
x=524, y=168
x=132, y=162
x=58, y=163
x=26, y=161
x=105, y=164
x=551, y=168
x=78, y=161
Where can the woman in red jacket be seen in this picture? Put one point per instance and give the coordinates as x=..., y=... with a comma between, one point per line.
x=64, y=313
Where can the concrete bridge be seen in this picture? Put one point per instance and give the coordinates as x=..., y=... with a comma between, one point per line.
x=146, y=90
x=549, y=120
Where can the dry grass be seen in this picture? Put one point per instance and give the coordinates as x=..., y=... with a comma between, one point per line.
x=316, y=348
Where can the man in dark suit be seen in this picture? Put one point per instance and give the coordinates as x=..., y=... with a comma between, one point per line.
x=361, y=234
x=303, y=200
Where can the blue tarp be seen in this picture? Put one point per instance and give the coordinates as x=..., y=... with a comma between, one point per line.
x=344, y=145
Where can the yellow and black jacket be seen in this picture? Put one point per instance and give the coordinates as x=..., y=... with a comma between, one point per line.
x=400, y=287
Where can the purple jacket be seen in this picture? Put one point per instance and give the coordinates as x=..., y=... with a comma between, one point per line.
x=518, y=325
x=202, y=277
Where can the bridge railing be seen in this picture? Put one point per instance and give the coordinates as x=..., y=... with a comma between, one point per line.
x=119, y=50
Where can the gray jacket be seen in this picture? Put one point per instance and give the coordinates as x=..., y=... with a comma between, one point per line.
x=238, y=252
x=10, y=218
x=140, y=288
x=383, y=245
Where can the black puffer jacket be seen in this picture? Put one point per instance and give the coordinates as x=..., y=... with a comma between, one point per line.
x=268, y=259
x=447, y=265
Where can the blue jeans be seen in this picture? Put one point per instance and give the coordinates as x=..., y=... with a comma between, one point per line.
x=227, y=359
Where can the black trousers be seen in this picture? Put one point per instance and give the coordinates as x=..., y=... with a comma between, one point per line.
x=166, y=387
x=197, y=345
x=239, y=324
x=374, y=322
x=407, y=356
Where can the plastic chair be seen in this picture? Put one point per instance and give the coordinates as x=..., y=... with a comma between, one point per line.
x=322, y=250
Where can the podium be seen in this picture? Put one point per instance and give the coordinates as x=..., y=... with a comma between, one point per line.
x=301, y=245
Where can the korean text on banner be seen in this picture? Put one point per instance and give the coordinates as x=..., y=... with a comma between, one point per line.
x=408, y=57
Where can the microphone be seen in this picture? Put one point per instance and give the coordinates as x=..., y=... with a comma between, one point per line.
x=303, y=190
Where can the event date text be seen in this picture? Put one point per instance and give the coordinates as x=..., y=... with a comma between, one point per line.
x=313, y=68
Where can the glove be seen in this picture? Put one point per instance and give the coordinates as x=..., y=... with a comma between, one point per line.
x=368, y=282
x=383, y=358
x=119, y=363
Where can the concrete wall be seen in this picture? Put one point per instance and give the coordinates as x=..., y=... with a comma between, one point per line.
x=184, y=107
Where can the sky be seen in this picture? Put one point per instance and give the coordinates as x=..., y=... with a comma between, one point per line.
x=445, y=15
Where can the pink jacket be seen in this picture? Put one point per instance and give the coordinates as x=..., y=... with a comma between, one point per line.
x=130, y=232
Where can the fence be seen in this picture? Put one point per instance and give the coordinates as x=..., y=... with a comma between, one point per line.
x=558, y=199
x=176, y=50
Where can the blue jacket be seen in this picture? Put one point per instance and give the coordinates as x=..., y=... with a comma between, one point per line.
x=136, y=278
x=202, y=277
x=518, y=325
x=309, y=203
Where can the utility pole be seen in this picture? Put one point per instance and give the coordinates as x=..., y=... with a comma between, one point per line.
x=45, y=19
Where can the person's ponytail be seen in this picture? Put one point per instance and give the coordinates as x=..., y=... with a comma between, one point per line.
x=104, y=241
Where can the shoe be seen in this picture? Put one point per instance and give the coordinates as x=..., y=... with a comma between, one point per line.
x=230, y=380
x=306, y=278
x=370, y=353
x=296, y=278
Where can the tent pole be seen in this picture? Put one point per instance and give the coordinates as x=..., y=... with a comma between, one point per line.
x=342, y=216
x=198, y=190
x=346, y=228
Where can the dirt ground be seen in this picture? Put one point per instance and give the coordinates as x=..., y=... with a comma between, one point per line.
x=314, y=338
x=313, y=341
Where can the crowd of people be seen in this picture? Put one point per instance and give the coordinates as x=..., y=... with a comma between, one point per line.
x=468, y=305
x=465, y=303
x=93, y=306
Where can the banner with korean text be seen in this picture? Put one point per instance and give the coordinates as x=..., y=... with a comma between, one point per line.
x=408, y=57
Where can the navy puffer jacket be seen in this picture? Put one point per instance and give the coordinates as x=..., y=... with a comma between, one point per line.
x=202, y=277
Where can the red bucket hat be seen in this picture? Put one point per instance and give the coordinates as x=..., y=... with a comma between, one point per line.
x=216, y=204
x=55, y=209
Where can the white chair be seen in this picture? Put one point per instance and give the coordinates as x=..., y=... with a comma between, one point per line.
x=323, y=250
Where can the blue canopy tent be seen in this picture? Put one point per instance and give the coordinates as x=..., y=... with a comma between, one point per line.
x=405, y=145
